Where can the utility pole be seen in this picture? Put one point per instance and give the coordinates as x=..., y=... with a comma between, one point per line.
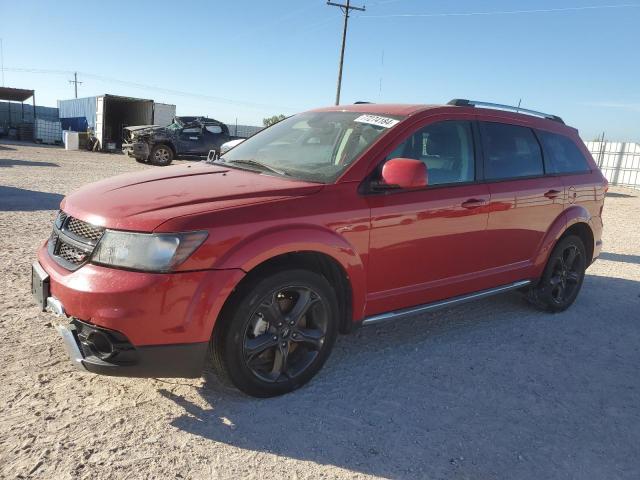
x=2, y=61
x=345, y=10
x=75, y=82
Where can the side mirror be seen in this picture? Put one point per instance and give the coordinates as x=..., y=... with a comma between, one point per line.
x=404, y=173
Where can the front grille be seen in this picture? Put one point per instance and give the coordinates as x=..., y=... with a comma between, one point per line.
x=72, y=241
x=84, y=230
x=71, y=254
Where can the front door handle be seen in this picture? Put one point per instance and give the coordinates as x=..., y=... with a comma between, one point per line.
x=552, y=194
x=474, y=203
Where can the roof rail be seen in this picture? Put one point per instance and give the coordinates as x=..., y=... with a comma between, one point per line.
x=461, y=102
x=360, y=102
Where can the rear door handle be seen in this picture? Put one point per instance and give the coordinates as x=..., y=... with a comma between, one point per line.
x=474, y=203
x=552, y=194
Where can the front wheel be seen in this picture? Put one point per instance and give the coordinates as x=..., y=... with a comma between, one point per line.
x=277, y=333
x=161, y=155
x=563, y=276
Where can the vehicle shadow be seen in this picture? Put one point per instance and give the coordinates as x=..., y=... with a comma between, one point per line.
x=4, y=147
x=23, y=200
x=493, y=389
x=619, y=195
x=620, y=257
x=12, y=162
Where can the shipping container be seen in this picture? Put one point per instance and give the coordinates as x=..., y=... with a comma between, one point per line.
x=163, y=114
x=107, y=115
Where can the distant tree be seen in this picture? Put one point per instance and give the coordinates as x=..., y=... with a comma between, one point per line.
x=267, y=122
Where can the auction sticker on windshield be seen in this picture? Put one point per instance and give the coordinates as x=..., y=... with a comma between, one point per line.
x=377, y=120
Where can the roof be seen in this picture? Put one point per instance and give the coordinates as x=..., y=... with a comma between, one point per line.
x=380, y=108
x=15, y=94
x=193, y=119
x=411, y=109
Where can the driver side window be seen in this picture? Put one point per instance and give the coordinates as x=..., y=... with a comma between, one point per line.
x=446, y=148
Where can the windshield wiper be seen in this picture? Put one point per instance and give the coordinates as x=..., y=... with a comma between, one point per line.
x=260, y=165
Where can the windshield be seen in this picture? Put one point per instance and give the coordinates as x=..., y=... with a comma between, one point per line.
x=313, y=146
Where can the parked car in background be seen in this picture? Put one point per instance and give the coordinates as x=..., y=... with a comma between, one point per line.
x=329, y=220
x=186, y=136
x=225, y=147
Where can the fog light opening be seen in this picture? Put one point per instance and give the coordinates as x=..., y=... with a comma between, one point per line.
x=100, y=345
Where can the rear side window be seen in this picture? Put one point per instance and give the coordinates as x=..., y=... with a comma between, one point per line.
x=213, y=128
x=510, y=151
x=563, y=155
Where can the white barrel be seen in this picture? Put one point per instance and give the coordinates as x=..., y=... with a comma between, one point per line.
x=71, y=141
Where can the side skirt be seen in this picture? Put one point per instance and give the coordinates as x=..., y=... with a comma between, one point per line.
x=450, y=302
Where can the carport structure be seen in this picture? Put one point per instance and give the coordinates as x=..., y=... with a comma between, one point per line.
x=18, y=95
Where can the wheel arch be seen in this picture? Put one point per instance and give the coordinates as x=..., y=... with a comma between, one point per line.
x=584, y=231
x=576, y=220
x=166, y=143
x=170, y=144
x=311, y=248
x=314, y=261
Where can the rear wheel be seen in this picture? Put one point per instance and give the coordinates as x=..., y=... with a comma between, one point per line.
x=161, y=155
x=277, y=333
x=563, y=276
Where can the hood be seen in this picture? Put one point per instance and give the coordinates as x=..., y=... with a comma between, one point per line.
x=142, y=201
x=136, y=130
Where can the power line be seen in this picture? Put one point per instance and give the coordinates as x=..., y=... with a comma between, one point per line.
x=142, y=86
x=501, y=12
x=345, y=10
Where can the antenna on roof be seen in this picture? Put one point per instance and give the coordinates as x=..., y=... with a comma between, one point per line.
x=519, y=103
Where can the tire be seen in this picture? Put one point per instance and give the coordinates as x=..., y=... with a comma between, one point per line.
x=562, y=278
x=161, y=155
x=276, y=333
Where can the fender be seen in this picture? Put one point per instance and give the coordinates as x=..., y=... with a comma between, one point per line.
x=266, y=244
x=572, y=215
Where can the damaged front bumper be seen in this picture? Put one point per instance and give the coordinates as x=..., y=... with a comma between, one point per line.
x=70, y=344
x=106, y=351
x=138, y=150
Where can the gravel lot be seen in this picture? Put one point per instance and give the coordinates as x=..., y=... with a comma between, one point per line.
x=487, y=390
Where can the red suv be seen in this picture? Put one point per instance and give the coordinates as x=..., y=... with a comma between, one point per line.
x=328, y=220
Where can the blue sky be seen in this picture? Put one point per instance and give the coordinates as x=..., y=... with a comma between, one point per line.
x=251, y=59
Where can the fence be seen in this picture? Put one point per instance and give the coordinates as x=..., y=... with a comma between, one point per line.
x=242, y=130
x=619, y=162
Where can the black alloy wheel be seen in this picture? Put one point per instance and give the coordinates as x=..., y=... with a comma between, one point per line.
x=567, y=271
x=563, y=276
x=285, y=333
x=276, y=332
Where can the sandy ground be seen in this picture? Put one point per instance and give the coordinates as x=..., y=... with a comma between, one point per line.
x=488, y=390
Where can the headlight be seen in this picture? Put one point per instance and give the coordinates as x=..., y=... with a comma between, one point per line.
x=151, y=252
